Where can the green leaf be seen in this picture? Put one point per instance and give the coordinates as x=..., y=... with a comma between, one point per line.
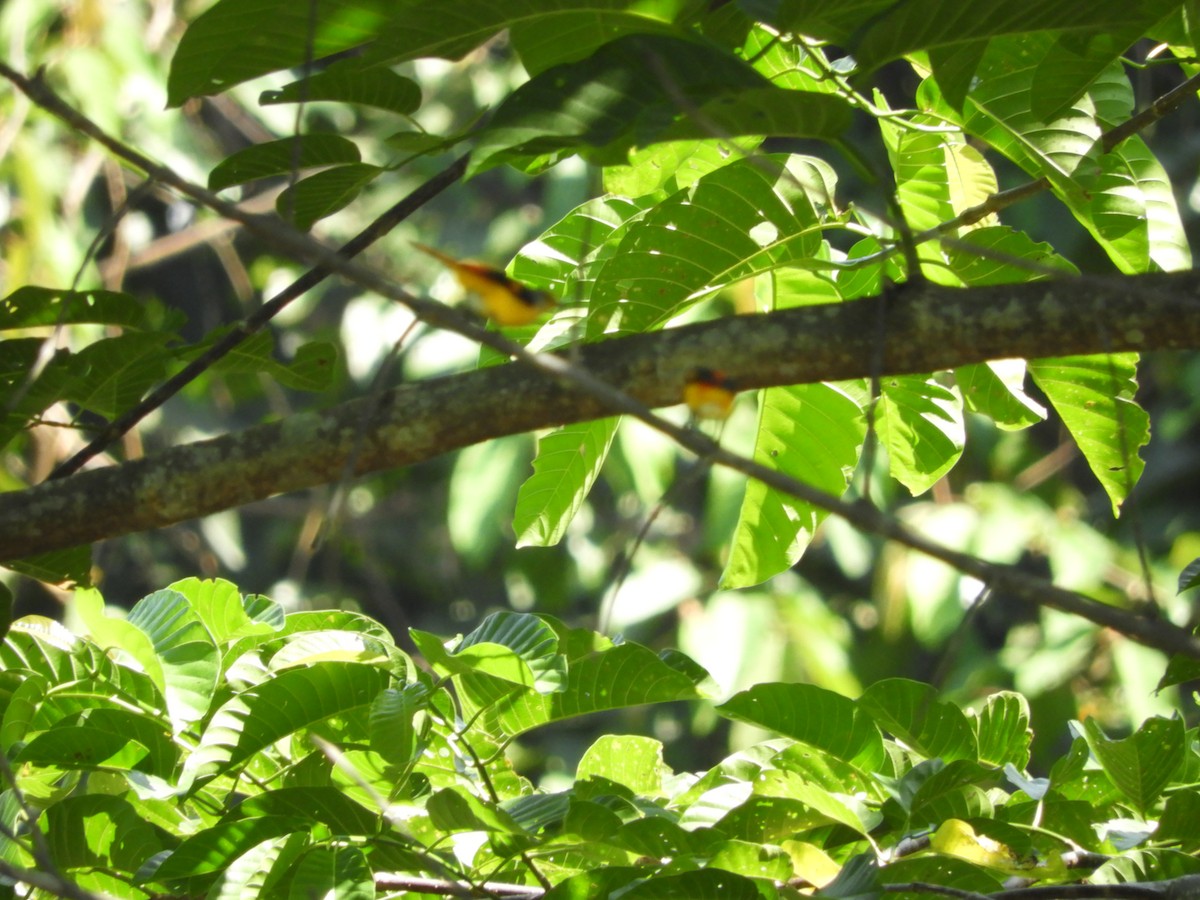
x=1122, y=197
x=398, y=723
x=328, y=805
x=294, y=624
x=816, y=716
x=1178, y=820
x=660, y=837
x=1094, y=395
x=23, y=703
x=744, y=219
x=186, y=651
x=921, y=425
x=1141, y=765
x=938, y=174
x=912, y=713
x=261, y=715
x=116, y=372
x=256, y=872
x=342, y=872
x=1002, y=730
x=514, y=647
x=283, y=157
x=93, y=837
x=432, y=28
x=45, y=648
x=844, y=809
x=81, y=747
x=236, y=40
x=349, y=82
x=222, y=610
x=210, y=850
x=312, y=368
x=813, y=432
x=955, y=790
x=1143, y=866
x=670, y=166
x=1190, y=576
x=553, y=37
x=997, y=390
x=452, y=810
x=66, y=568
x=859, y=879
x=877, y=31
x=640, y=89
x=1005, y=256
x=949, y=872
x=623, y=675
x=635, y=762
x=752, y=860
x=100, y=713
x=113, y=632
x=312, y=199
x=567, y=464
x=31, y=307
x=598, y=884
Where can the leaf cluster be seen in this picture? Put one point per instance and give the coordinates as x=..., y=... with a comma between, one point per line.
x=210, y=744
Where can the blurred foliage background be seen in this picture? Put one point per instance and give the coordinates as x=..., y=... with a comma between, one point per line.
x=432, y=546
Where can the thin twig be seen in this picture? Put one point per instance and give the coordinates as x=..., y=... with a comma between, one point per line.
x=258, y=320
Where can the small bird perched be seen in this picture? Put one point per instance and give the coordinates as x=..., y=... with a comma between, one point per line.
x=709, y=393
x=505, y=300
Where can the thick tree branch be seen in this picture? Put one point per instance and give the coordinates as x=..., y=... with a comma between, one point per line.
x=928, y=328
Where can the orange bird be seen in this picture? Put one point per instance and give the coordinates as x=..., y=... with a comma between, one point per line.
x=709, y=393
x=505, y=300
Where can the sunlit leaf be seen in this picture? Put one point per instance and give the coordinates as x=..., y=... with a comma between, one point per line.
x=257, y=717
x=567, y=464
x=327, y=805
x=1122, y=197
x=1002, y=730
x=342, y=872
x=623, y=675
x=92, y=838
x=1094, y=395
x=921, y=425
x=574, y=32
x=813, y=432
x=212, y=849
x=635, y=762
x=514, y=647
x=187, y=653
x=1142, y=764
x=811, y=714
x=912, y=712
x=31, y=307
x=741, y=220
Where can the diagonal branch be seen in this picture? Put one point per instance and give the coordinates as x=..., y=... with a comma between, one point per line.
x=259, y=319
